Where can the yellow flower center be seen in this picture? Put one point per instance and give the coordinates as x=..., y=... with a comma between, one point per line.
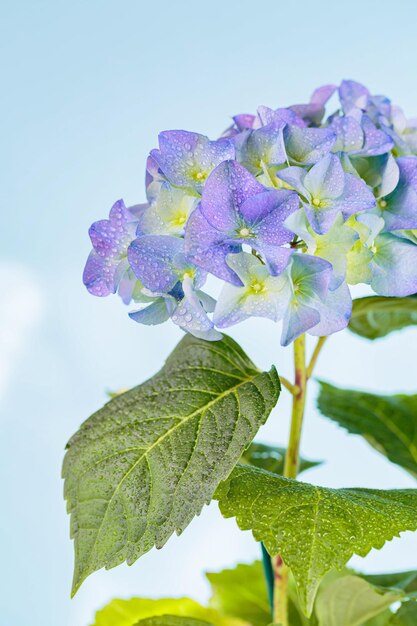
x=316, y=202
x=257, y=287
x=383, y=204
x=244, y=232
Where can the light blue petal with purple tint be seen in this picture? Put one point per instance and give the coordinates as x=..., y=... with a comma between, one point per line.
x=186, y=159
x=305, y=146
x=313, y=112
x=226, y=189
x=261, y=295
x=310, y=277
x=335, y=312
x=298, y=319
x=360, y=138
x=152, y=258
x=349, y=133
x=399, y=208
x=381, y=173
x=191, y=316
x=294, y=176
x=207, y=247
x=394, y=266
x=168, y=213
x=244, y=121
x=153, y=314
x=262, y=148
x=268, y=116
x=353, y=97
x=110, y=238
x=326, y=179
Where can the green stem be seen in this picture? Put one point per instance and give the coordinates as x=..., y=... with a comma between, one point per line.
x=292, y=457
x=269, y=575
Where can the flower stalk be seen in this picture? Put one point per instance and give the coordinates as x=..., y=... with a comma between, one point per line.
x=299, y=389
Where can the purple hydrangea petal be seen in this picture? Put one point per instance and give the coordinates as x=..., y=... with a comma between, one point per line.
x=335, y=312
x=320, y=219
x=244, y=121
x=226, y=189
x=186, y=159
x=394, y=266
x=191, y=316
x=110, y=238
x=298, y=319
x=276, y=258
x=294, y=176
x=155, y=313
x=360, y=138
x=356, y=197
x=353, y=96
x=399, y=208
x=260, y=295
x=268, y=116
x=322, y=94
x=263, y=147
x=408, y=170
x=350, y=136
x=311, y=277
x=326, y=179
x=376, y=141
x=313, y=112
x=208, y=247
x=98, y=275
x=307, y=145
x=152, y=258
x=266, y=212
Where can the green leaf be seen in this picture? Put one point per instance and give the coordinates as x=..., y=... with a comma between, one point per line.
x=130, y=612
x=314, y=529
x=171, y=620
x=377, y=316
x=144, y=465
x=388, y=423
x=406, y=615
x=382, y=619
x=241, y=592
x=407, y=581
x=350, y=601
x=271, y=458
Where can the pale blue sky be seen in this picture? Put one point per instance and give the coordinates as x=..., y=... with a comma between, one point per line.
x=87, y=85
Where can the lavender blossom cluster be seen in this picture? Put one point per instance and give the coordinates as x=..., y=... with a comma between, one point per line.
x=288, y=208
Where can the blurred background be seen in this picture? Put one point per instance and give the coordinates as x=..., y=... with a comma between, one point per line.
x=87, y=86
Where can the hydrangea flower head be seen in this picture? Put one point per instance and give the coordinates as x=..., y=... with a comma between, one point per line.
x=286, y=210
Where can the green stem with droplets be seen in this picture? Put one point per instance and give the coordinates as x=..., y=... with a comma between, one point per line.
x=292, y=459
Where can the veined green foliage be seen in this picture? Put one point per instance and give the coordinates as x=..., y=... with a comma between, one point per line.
x=131, y=612
x=172, y=620
x=405, y=616
x=271, y=458
x=242, y=592
x=377, y=316
x=143, y=466
x=388, y=423
x=406, y=581
x=351, y=601
x=314, y=529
